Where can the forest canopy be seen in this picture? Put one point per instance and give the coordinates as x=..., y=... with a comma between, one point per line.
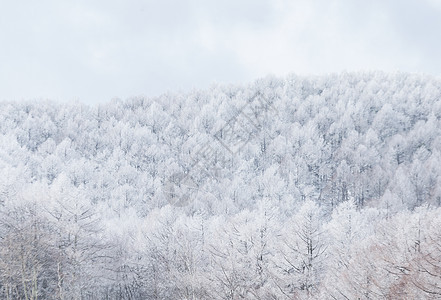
x=323, y=187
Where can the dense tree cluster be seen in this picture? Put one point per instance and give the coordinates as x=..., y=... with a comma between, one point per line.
x=334, y=195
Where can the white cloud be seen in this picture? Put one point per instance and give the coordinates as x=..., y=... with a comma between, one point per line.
x=96, y=50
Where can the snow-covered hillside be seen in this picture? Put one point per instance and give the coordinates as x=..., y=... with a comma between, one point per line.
x=289, y=188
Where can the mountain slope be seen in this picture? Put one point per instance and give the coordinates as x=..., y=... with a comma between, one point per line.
x=333, y=138
x=288, y=187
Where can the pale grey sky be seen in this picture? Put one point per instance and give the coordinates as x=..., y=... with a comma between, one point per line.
x=96, y=50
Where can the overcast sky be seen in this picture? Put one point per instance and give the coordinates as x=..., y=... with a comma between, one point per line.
x=93, y=51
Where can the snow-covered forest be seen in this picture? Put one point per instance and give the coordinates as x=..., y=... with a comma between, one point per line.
x=329, y=188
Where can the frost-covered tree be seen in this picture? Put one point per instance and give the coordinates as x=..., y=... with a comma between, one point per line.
x=301, y=257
